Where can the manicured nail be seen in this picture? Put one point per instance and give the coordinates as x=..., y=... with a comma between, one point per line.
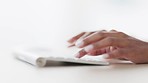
x=106, y=56
x=77, y=55
x=79, y=43
x=89, y=48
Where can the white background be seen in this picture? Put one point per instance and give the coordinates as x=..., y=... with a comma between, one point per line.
x=44, y=21
x=52, y=22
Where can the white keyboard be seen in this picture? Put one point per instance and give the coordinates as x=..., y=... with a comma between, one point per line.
x=42, y=56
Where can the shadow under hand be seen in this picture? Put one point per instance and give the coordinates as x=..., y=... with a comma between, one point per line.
x=65, y=64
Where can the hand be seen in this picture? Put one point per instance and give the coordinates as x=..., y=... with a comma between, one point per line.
x=115, y=44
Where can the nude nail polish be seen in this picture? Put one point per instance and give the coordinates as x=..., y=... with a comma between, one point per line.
x=89, y=48
x=79, y=43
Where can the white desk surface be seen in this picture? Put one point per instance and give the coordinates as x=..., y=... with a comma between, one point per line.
x=14, y=71
x=54, y=21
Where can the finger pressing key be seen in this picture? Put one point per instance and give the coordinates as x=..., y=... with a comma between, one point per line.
x=81, y=53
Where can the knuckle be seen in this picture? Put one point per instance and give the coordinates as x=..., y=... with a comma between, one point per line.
x=110, y=40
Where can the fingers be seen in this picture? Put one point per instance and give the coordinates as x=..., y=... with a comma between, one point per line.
x=78, y=38
x=85, y=34
x=116, y=54
x=95, y=42
x=97, y=36
x=107, y=42
x=102, y=51
x=96, y=48
x=82, y=37
x=82, y=53
x=93, y=37
x=98, y=52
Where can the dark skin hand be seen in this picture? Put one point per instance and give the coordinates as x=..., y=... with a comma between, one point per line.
x=117, y=45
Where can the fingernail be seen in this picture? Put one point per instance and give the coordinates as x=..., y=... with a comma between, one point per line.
x=77, y=55
x=106, y=56
x=89, y=48
x=79, y=43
